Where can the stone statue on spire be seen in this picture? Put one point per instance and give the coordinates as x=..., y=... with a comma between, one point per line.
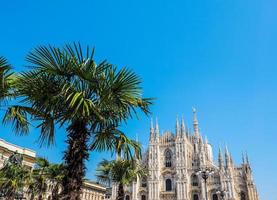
x=195, y=124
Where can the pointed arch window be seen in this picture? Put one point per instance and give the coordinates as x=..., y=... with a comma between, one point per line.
x=242, y=196
x=215, y=197
x=195, y=197
x=127, y=197
x=143, y=182
x=168, y=185
x=143, y=197
x=168, y=158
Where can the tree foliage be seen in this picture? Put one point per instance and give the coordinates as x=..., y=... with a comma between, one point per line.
x=66, y=87
x=119, y=171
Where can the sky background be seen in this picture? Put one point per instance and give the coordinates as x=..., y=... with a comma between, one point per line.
x=216, y=55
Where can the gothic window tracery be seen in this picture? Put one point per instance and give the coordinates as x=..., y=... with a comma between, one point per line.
x=168, y=185
x=127, y=197
x=168, y=158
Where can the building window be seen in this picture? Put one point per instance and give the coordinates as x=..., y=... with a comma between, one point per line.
x=215, y=197
x=168, y=185
x=195, y=197
x=143, y=197
x=194, y=180
x=127, y=197
x=168, y=158
x=242, y=196
x=144, y=182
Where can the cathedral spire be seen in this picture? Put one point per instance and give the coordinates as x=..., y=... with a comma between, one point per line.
x=157, y=129
x=220, y=159
x=247, y=159
x=231, y=160
x=151, y=130
x=227, y=157
x=187, y=131
x=243, y=160
x=206, y=140
x=177, y=127
x=195, y=123
x=183, y=129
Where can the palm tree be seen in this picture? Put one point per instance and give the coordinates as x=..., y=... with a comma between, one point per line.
x=67, y=88
x=38, y=183
x=45, y=177
x=119, y=171
x=55, y=177
x=13, y=177
x=6, y=79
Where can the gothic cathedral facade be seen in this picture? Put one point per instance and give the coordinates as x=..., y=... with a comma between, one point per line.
x=181, y=167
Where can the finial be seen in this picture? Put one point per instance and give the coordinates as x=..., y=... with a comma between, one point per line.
x=194, y=115
x=195, y=123
x=177, y=126
x=151, y=130
x=243, y=160
x=231, y=159
x=219, y=152
x=227, y=157
x=183, y=131
x=151, y=124
x=247, y=159
x=226, y=151
x=206, y=140
x=220, y=159
x=157, y=128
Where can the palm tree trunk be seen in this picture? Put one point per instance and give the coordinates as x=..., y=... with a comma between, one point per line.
x=120, y=192
x=75, y=157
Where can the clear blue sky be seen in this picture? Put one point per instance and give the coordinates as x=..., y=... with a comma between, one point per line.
x=216, y=55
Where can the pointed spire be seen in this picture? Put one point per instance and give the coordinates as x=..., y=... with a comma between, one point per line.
x=183, y=129
x=201, y=140
x=231, y=160
x=227, y=157
x=151, y=130
x=220, y=159
x=226, y=151
x=206, y=140
x=177, y=127
x=187, y=130
x=247, y=159
x=195, y=123
x=157, y=129
x=243, y=160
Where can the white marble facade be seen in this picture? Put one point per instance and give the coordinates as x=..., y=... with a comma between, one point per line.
x=174, y=162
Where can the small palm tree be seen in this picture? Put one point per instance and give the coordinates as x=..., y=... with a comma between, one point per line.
x=66, y=87
x=55, y=177
x=38, y=183
x=45, y=177
x=119, y=171
x=13, y=177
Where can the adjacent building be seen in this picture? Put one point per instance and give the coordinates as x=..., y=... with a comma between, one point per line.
x=181, y=167
x=90, y=190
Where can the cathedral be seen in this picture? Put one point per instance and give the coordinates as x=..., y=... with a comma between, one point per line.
x=181, y=167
